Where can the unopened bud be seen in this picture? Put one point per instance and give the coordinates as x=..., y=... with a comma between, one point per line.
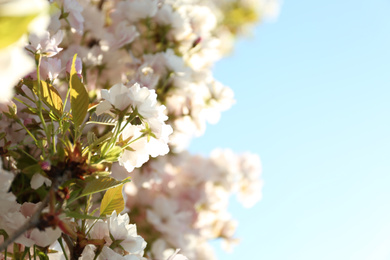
x=45, y=165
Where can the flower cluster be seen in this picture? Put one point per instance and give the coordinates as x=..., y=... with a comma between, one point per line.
x=99, y=101
x=184, y=199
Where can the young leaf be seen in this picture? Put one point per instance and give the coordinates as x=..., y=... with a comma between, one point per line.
x=112, y=200
x=113, y=154
x=79, y=99
x=104, y=119
x=101, y=184
x=50, y=97
x=91, y=137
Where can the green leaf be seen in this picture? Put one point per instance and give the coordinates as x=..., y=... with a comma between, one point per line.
x=73, y=196
x=32, y=169
x=100, y=184
x=101, y=174
x=75, y=215
x=13, y=27
x=91, y=137
x=112, y=200
x=113, y=154
x=104, y=119
x=102, y=139
x=79, y=99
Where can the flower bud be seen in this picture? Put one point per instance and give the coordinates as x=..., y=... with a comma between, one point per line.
x=45, y=165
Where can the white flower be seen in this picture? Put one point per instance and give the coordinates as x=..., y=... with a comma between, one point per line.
x=135, y=97
x=37, y=181
x=88, y=252
x=137, y=153
x=6, y=179
x=45, y=238
x=141, y=148
x=100, y=230
x=159, y=145
x=117, y=97
x=46, y=45
x=145, y=100
x=8, y=202
x=120, y=229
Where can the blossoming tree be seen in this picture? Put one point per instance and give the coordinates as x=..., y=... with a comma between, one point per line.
x=99, y=100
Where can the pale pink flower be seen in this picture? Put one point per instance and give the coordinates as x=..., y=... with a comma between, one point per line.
x=123, y=33
x=50, y=68
x=75, y=18
x=46, y=45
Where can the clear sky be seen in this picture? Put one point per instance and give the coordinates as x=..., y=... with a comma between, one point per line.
x=313, y=100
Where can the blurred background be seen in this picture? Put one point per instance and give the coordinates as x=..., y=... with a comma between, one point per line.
x=312, y=91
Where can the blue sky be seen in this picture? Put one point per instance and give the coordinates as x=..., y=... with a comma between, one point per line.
x=313, y=100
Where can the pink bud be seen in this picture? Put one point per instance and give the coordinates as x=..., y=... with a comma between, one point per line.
x=45, y=166
x=78, y=65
